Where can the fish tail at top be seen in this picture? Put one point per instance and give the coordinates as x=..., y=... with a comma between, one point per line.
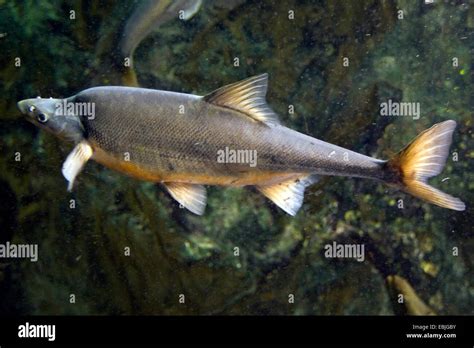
x=422, y=159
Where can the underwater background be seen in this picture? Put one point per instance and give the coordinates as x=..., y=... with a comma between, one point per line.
x=404, y=50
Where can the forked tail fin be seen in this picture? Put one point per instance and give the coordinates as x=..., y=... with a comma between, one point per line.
x=424, y=158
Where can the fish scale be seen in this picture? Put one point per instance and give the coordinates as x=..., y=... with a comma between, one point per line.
x=158, y=131
x=143, y=133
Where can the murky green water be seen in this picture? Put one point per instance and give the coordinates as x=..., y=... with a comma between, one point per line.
x=116, y=245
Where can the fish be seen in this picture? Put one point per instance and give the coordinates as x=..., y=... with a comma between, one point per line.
x=185, y=142
x=115, y=49
x=149, y=15
x=414, y=305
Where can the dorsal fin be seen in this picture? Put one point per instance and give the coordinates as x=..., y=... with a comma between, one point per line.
x=247, y=96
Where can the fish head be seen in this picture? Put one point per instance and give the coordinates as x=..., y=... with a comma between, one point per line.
x=48, y=114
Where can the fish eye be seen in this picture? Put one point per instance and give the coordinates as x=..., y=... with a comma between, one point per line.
x=42, y=118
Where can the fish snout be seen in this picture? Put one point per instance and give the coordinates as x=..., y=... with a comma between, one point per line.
x=23, y=106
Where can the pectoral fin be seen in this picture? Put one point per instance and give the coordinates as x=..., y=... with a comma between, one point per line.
x=191, y=196
x=288, y=195
x=75, y=161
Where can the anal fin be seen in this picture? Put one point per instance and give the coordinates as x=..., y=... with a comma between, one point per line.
x=288, y=195
x=192, y=196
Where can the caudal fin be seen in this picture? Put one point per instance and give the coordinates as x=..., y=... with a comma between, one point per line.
x=422, y=159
